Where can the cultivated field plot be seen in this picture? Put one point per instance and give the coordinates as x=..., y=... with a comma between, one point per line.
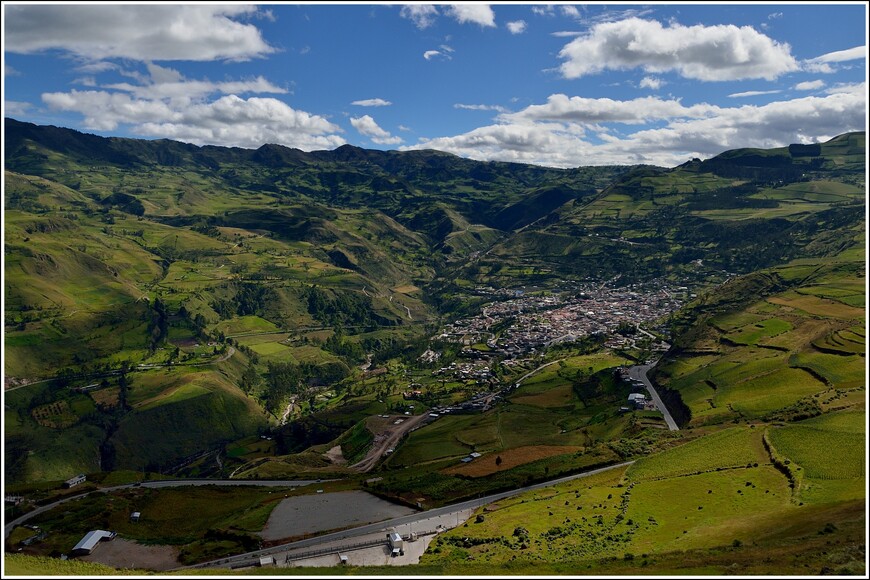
x=847, y=341
x=817, y=306
x=735, y=447
x=306, y=514
x=509, y=458
x=757, y=331
x=769, y=392
x=840, y=371
x=830, y=446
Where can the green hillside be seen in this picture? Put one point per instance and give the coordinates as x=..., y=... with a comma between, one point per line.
x=173, y=310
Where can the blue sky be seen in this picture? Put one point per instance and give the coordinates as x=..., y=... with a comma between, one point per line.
x=553, y=84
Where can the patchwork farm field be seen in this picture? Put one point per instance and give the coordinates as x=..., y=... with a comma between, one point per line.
x=730, y=448
x=776, y=355
x=831, y=446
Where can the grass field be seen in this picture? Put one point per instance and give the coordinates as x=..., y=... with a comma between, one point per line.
x=760, y=395
x=193, y=517
x=831, y=446
x=509, y=458
x=734, y=447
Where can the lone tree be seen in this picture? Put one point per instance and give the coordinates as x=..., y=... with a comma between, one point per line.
x=498, y=461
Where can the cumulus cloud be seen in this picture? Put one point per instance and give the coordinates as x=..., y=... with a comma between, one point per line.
x=480, y=14
x=570, y=11
x=137, y=32
x=423, y=15
x=166, y=104
x=517, y=26
x=651, y=83
x=560, y=107
x=557, y=136
x=547, y=10
x=372, y=103
x=168, y=83
x=707, y=53
x=810, y=85
x=367, y=126
x=752, y=94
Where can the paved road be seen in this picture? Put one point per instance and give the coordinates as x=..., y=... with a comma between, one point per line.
x=638, y=373
x=158, y=484
x=253, y=557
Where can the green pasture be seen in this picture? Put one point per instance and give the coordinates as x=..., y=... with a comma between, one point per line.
x=708, y=509
x=831, y=446
x=760, y=395
x=839, y=371
x=753, y=333
x=734, y=447
x=170, y=516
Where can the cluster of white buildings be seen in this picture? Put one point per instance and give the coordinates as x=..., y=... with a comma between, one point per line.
x=541, y=321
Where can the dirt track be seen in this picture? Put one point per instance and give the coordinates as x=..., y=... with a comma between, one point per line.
x=120, y=553
x=388, y=438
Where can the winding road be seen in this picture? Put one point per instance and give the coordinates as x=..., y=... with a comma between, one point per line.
x=638, y=373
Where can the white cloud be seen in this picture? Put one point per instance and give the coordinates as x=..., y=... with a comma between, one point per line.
x=480, y=14
x=570, y=11
x=423, y=15
x=446, y=48
x=85, y=81
x=752, y=94
x=561, y=108
x=167, y=83
x=430, y=54
x=566, y=33
x=810, y=85
x=841, y=55
x=372, y=103
x=774, y=16
x=547, y=10
x=137, y=32
x=96, y=67
x=555, y=137
x=821, y=64
x=8, y=71
x=403, y=128
x=708, y=53
x=369, y=128
x=16, y=108
x=229, y=120
x=498, y=108
x=855, y=89
x=651, y=83
x=517, y=26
